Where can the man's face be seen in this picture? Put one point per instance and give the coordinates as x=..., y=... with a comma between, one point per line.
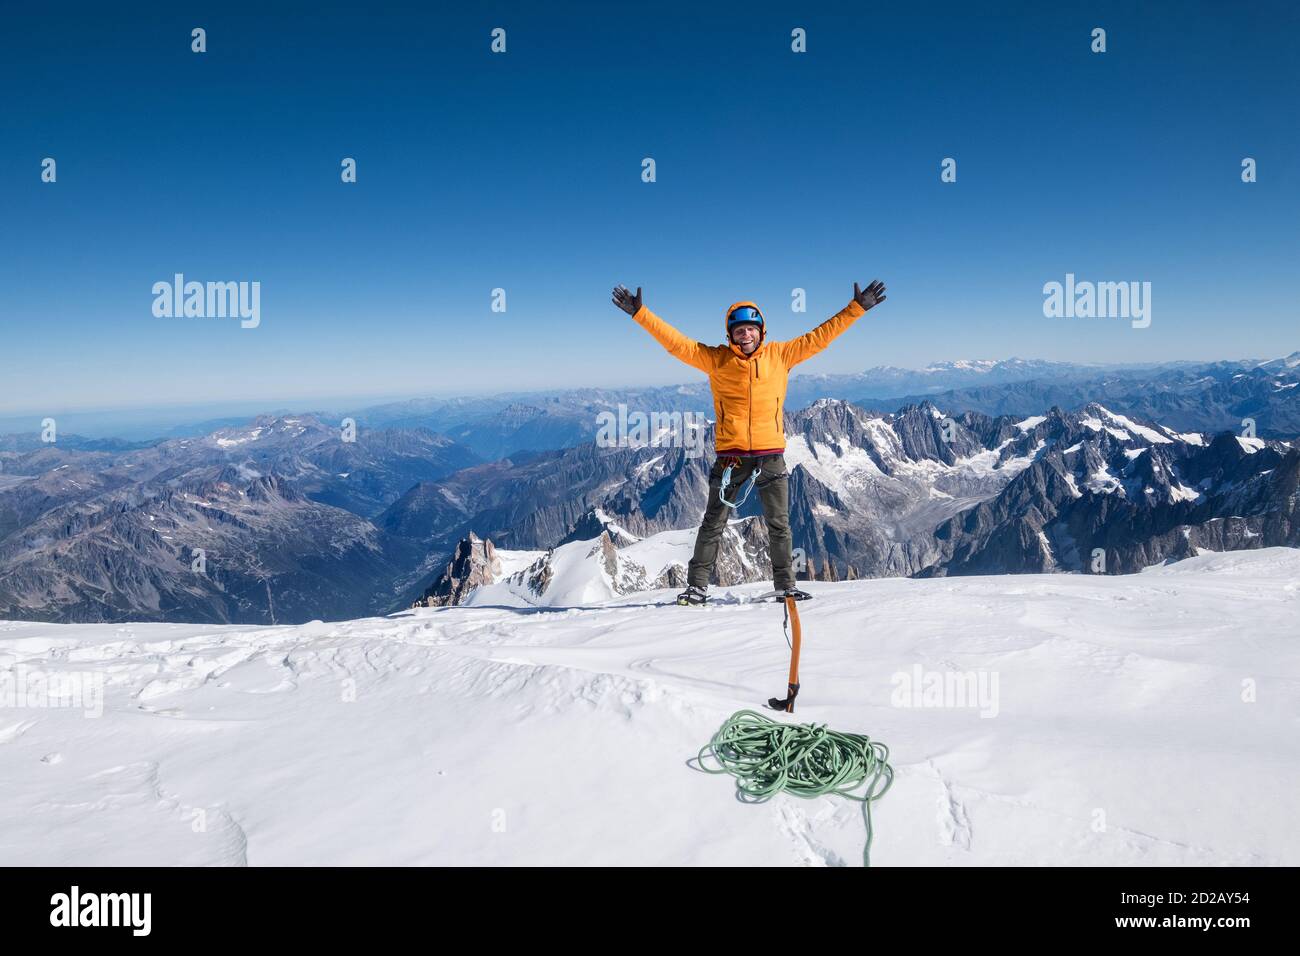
x=747, y=336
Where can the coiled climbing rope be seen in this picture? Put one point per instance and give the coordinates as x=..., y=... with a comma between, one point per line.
x=767, y=757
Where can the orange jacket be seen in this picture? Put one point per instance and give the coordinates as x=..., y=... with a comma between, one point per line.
x=748, y=390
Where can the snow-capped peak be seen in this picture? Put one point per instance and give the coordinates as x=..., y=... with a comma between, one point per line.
x=964, y=365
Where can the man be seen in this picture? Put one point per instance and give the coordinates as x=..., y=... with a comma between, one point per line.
x=748, y=379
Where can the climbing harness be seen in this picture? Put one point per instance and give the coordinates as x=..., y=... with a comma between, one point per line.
x=726, y=481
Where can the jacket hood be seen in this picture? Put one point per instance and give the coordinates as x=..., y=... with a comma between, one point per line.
x=726, y=333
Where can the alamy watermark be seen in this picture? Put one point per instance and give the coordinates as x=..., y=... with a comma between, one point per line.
x=946, y=689
x=209, y=300
x=626, y=429
x=25, y=687
x=129, y=910
x=1098, y=300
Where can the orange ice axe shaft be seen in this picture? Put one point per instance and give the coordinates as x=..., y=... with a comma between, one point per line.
x=792, y=688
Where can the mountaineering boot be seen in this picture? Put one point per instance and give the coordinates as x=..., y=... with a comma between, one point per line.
x=692, y=597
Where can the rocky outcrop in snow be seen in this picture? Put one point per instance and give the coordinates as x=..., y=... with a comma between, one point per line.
x=474, y=564
x=596, y=569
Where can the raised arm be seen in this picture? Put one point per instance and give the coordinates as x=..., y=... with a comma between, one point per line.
x=696, y=354
x=810, y=343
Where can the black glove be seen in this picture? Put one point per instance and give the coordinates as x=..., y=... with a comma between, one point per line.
x=627, y=301
x=872, y=295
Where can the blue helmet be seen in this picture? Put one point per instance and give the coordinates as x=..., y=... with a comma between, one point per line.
x=742, y=313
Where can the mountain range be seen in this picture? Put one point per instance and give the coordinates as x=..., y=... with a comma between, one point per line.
x=289, y=521
x=916, y=493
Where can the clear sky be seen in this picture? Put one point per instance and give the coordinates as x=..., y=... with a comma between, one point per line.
x=522, y=170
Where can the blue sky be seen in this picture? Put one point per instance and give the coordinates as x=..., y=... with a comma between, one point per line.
x=522, y=171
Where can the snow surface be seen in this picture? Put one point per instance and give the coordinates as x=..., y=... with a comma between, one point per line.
x=498, y=735
x=515, y=561
x=247, y=437
x=613, y=526
x=1096, y=425
x=1150, y=434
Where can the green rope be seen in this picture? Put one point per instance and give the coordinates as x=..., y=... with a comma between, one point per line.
x=807, y=760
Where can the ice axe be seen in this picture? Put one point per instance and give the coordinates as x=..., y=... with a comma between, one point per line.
x=792, y=688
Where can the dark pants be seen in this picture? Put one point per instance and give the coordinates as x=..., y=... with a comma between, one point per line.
x=773, y=491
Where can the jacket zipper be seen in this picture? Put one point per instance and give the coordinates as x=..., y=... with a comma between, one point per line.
x=750, y=444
